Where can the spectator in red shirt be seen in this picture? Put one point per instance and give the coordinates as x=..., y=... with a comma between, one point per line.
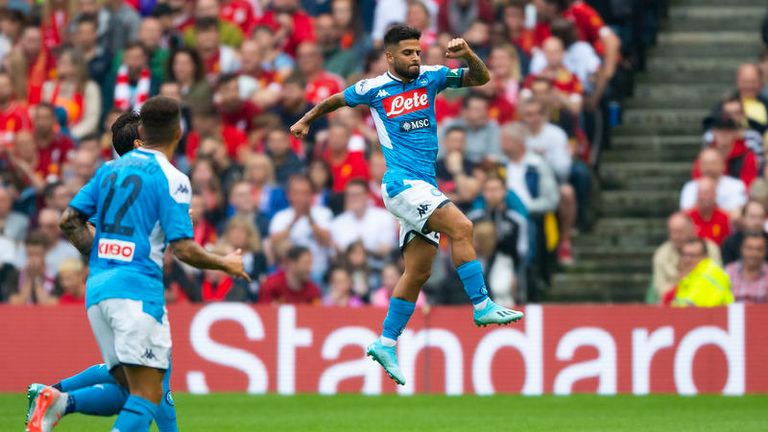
x=71, y=281
x=53, y=148
x=709, y=221
x=217, y=58
x=740, y=162
x=292, y=284
x=514, y=22
x=240, y=13
x=568, y=88
x=234, y=110
x=13, y=114
x=589, y=24
x=31, y=64
x=204, y=233
x=345, y=164
x=207, y=124
x=320, y=83
x=287, y=19
x=261, y=86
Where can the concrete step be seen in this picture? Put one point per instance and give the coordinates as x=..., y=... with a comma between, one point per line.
x=653, y=121
x=622, y=240
x=723, y=3
x=624, y=173
x=620, y=287
x=709, y=38
x=669, y=154
x=678, y=95
x=640, y=142
x=609, y=253
x=632, y=203
x=630, y=226
x=607, y=266
x=682, y=50
x=702, y=18
x=723, y=78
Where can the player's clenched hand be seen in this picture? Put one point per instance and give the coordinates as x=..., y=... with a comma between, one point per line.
x=457, y=48
x=234, y=265
x=300, y=129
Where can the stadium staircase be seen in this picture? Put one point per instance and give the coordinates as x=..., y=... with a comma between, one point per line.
x=700, y=45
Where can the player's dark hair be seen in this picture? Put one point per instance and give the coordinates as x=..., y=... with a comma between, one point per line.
x=125, y=130
x=36, y=238
x=400, y=32
x=160, y=117
x=207, y=24
x=296, y=252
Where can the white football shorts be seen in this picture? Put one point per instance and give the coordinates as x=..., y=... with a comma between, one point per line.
x=412, y=202
x=130, y=334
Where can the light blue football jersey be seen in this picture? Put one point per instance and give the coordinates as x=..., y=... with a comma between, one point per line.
x=140, y=203
x=404, y=114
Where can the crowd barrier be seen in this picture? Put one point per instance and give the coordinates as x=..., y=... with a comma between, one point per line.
x=556, y=349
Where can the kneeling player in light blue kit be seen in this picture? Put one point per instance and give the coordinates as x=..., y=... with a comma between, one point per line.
x=402, y=104
x=142, y=204
x=94, y=391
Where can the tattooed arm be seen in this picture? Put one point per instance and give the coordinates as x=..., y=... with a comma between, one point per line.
x=301, y=127
x=78, y=231
x=476, y=73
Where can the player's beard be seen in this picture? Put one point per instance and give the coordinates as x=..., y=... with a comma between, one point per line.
x=407, y=70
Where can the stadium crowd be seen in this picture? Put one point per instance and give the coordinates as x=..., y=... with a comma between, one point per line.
x=716, y=250
x=517, y=155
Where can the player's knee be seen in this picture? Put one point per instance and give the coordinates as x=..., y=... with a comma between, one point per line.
x=462, y=230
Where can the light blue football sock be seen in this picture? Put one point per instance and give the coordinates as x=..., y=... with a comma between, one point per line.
x=471, y=275
x=399, y=313
x=166, y=413
x=96, y=374
x=136, y=416
x=99, y=400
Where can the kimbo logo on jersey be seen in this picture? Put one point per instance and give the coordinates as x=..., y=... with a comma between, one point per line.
x=405, y=103
x=116, y=249
x=411, y=125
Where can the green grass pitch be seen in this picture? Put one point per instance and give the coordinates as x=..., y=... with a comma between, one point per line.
x=305, y=413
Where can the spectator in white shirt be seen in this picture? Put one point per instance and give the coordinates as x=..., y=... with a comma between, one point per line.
x=304, y=224
x=360, y=221
x=551, y=143
x=731, y=194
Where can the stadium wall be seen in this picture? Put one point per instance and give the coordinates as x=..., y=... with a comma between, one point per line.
x=236, y=347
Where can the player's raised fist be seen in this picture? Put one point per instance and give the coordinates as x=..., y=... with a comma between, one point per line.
x=457, y=48
x=300, y=129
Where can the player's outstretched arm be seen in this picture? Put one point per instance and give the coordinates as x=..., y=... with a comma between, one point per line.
x=300, y=129
x=193, y=254
x=476, y=73
x=77, y=230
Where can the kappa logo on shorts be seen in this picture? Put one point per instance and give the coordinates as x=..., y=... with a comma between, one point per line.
x=148, y=354
x=422, y=209
x=118, y=250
